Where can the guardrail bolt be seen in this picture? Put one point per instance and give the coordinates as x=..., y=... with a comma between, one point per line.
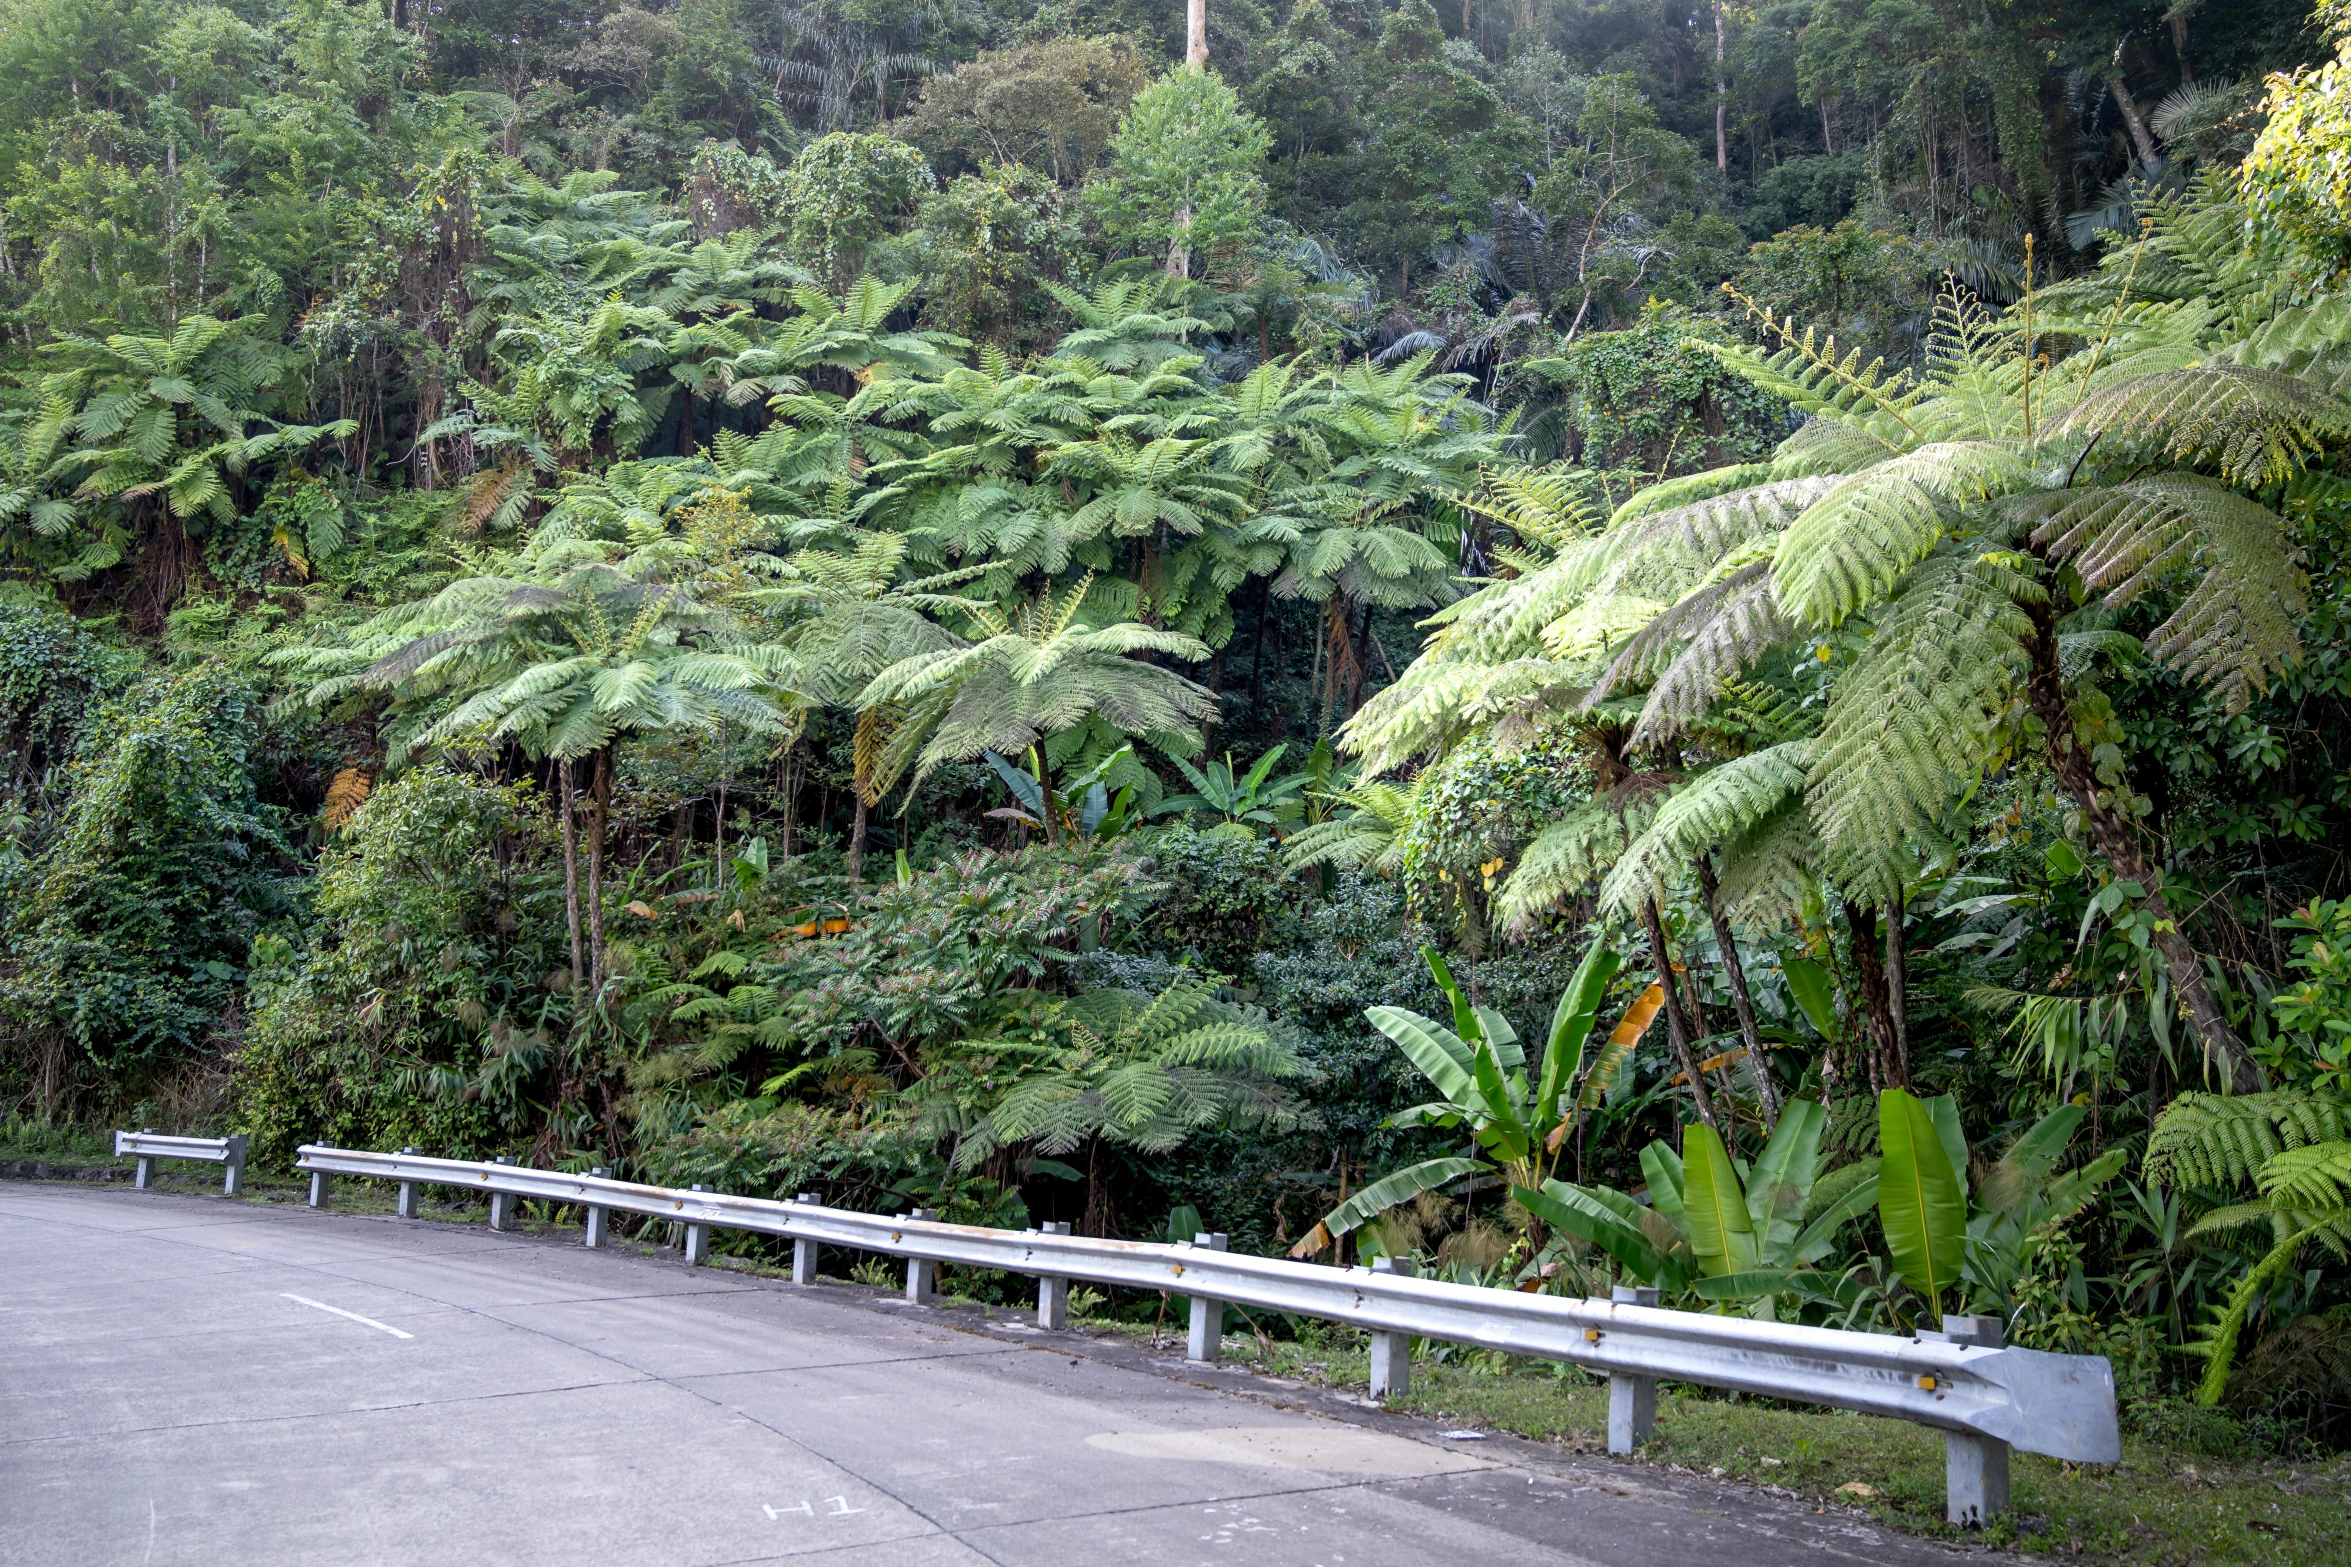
x=1206, y=1342
x=1053, y=1294
x=233, y=1181
x=408, y=1191
x=1391, y=1353
x=804, y=1251
x=1975, y=1468
x=922, y=1274
x=697, y=1240
x=1632, y=1401
x=596, y=1215
x=502, y=1203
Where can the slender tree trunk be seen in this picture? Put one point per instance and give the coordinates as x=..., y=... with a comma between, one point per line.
x=1196, y=34
x=2224, y=1053
x=1722, y=92
x=1097, y=1220
x=599, y=818
x=1677, y=1027
x=857, y=840
x=2178, y=17
x=2141, y=137
x=1767, y=1099
x=1179, y=250
x=1898, y=984
x=571, y=879
x=1046, y=802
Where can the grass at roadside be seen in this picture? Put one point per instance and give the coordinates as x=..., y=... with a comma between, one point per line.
x=2161, y=1506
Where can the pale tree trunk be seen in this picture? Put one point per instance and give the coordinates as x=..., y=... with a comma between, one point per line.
x=1677, y=1027
x=1767, y=1099
x=857, y=839
x=2141, y=137
x=1179, y=248
x=571, y=878
x=1196, y=34
x=1722, y=92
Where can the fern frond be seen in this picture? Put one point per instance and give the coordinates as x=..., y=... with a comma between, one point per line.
x=2255, y=426
x=2235, y=628
x=2316, y=1175
x=1849, y=548
x=2225, y=1139
x=1572, y=854
x=1718, y=807
x=1909, y=724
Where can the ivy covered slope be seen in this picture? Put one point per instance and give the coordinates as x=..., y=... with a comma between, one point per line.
x=1701, y=647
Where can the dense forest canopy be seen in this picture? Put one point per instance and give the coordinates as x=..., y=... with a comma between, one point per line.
x=1067, y=609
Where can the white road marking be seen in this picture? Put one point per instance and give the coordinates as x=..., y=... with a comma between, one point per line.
x=380, y=1327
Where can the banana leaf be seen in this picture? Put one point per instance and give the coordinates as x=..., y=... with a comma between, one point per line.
x=1920, y=1201
x=1441, y=1056
x=1503, y=1132
x=1577, y=1211
x=1381, y=1195
x=1571, y=1029
x=1781, y=1182
x=1944, y=1111
x=1714, y=1209
x=1663, y=1169
x=1813, y=1244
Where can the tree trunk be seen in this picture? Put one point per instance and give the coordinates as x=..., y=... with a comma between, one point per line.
x=1045, y=799
x=2178, y=17
x=1179, y=251
x=600, y=816
x=857, y=840
x=1722, y=93
x=1196, y=34
x=2069, y=761
x=1097, y=1219
x=1869, y=976
x=1898, y=984
x=571, y=880
x=1677, y=1027
x=1767, y=1099
x=2141, y=137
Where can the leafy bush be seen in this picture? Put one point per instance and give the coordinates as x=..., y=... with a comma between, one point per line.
x=427, y=1012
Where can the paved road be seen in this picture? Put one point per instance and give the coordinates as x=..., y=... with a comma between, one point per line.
x=189, y=1380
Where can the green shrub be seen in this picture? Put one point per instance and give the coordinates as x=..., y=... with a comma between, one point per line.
x=429, y=1010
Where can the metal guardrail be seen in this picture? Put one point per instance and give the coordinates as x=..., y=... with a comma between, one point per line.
x=1984, y=1397
x=149, y=1146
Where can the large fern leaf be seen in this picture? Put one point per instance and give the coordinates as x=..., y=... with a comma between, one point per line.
x=2225, y=1139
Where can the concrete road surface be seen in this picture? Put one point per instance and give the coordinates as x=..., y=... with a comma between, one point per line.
x=187, y=1380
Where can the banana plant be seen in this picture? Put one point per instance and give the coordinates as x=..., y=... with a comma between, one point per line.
x=1517, y=1112
x=1250, y=797
x=1731, y=1233
x=1941, y=1235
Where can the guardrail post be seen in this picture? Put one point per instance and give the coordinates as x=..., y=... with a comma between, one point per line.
x=596, y=1215
x=922, y=1274
x=501, y=1203
x=233, y=1181
x=804, y=1251
x=1053, y=1294
x=318, y=1188
x=1632, y=1401
x=697, y=1240
x=408, y=1192
x=1391, y=1353
x=1975, y=1468
x=146, y=1170
x=1207, y=1338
